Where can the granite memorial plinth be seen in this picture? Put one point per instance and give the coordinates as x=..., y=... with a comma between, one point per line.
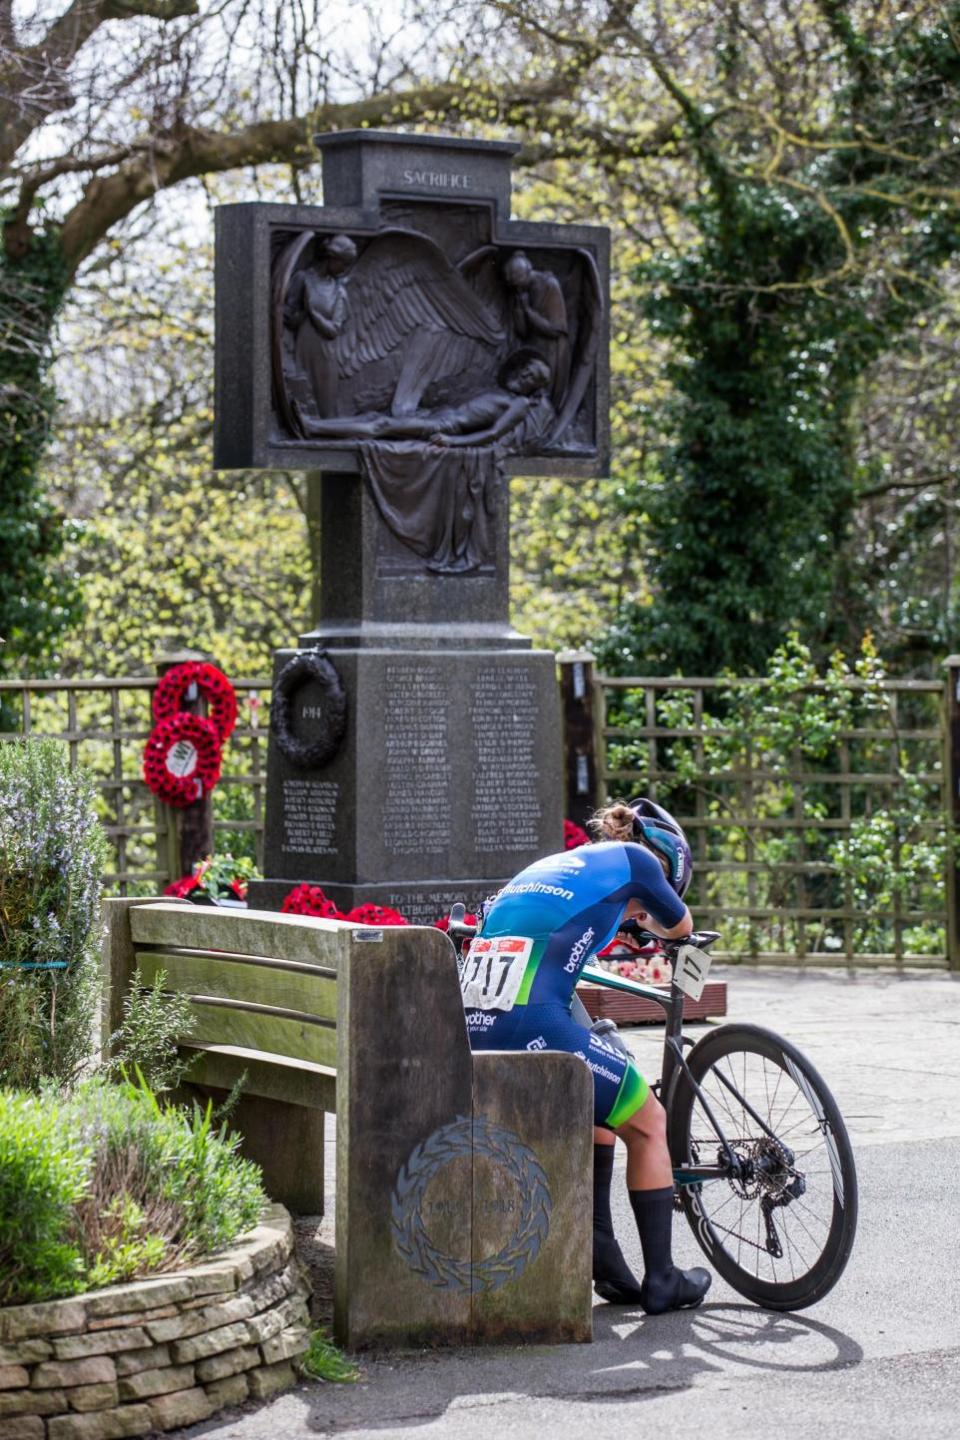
x=447, y=781
x=411, y=347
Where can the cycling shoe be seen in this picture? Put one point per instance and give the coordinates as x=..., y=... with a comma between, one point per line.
x=617, y=1294
x=613, y=1280
x=674, y=1290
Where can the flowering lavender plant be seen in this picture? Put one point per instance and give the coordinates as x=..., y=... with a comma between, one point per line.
x=52, y=850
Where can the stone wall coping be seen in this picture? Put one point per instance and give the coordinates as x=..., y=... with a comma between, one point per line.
x=98, y=1365
x=219, y=1273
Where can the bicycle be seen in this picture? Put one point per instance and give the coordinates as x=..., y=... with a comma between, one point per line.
x=790, y=1171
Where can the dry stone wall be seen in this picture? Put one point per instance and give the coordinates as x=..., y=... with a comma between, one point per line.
x=157, y=1353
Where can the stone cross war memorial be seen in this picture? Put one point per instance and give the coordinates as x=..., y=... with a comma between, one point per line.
x=411, y=347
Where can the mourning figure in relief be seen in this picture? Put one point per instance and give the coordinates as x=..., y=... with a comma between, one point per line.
x=316, y=309
x=559, y=312
x=538, y=314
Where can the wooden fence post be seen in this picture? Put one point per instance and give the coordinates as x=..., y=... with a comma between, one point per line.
x=581, y=734
x=952, y=773
x=191, y=829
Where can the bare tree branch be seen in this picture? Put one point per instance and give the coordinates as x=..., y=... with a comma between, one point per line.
x=34, y=79
x=193, y=152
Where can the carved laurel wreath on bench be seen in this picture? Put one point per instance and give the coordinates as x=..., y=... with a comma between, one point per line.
x=449, y=1143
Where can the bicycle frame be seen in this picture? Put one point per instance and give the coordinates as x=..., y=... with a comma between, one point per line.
x=674, y=1065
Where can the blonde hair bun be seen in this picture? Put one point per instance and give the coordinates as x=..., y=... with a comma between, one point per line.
x=613, y=822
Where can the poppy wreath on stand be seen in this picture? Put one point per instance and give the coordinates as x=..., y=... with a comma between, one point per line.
x=181, y=759
x=211, y=683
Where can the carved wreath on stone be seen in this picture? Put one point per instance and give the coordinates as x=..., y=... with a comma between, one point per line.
x=463, y=1137
x=328, y=731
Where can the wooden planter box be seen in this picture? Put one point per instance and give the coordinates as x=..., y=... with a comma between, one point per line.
x=603, y=1004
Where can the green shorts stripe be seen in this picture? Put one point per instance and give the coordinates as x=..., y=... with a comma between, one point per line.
x=631, y=1096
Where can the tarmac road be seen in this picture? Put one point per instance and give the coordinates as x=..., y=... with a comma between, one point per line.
x=878, y=1358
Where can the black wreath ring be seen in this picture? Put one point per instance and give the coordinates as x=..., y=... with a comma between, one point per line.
x=309, y=665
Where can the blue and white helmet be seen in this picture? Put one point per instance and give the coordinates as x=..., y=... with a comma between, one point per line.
x=656, y=827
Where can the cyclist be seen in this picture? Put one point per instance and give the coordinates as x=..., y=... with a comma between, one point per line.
x=518, y=978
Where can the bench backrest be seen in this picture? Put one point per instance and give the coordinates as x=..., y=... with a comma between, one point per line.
x=260, y=983
x=463, y=1190
x=263, y=988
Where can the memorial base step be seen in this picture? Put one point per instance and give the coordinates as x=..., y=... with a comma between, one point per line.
x=421, y=902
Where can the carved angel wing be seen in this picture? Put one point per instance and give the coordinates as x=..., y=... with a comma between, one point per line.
x=408, y=305
x=283, y=273
x=481, y=270
x=589, y=329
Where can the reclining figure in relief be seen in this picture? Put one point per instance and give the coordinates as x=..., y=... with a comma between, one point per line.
x=514, y=415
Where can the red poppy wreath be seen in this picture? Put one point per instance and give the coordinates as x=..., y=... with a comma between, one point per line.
x=181, y=759
x=213, y=685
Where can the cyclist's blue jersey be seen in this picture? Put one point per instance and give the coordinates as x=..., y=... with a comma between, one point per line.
x=569, y=906
x=519, y=974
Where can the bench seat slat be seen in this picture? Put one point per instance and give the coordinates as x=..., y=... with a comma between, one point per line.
x=236, y=978
x=307, y=939
x=274, y=1077
x=261, y=1030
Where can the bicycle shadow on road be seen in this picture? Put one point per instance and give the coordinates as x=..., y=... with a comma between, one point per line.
x=632, y=1358
x=732, y=1335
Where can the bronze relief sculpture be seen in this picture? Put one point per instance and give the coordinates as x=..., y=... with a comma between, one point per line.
x=315, y=310
x=433, y=373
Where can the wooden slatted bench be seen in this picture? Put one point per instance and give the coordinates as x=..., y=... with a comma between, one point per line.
x=463, y=1186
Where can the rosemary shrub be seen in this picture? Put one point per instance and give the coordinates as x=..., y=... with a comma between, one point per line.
x=52, y=850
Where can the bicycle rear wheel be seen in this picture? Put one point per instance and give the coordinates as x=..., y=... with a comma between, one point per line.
x=782, y=1233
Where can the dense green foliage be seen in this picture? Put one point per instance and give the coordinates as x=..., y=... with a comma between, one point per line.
x=147, y=1038
x=773, y=772
x=781, y=183
x=52, y=851
x=108, y=1185
x=774, y=315
x=43, y=1174
x=38, y=599
x=169, y=553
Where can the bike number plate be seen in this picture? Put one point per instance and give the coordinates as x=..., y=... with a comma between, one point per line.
x=692, y=969
x=492, y=970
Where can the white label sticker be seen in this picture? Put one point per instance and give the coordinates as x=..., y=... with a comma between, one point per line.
x=692, y=969
x=182, y=759
x=492, y=970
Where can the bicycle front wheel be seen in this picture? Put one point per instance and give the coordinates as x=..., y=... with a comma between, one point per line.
x=782, y=1230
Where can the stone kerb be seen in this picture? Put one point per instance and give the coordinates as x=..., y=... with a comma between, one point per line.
x=158, y=1353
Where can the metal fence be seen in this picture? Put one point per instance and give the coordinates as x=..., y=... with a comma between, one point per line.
x=104, y=723
x=836, y=850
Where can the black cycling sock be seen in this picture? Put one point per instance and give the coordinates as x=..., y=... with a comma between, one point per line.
x=612, y=1275
x=664, y=1286
x=653, y=1212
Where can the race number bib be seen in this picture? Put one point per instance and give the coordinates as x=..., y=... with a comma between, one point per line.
x=692, y=969
x=492, y=971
